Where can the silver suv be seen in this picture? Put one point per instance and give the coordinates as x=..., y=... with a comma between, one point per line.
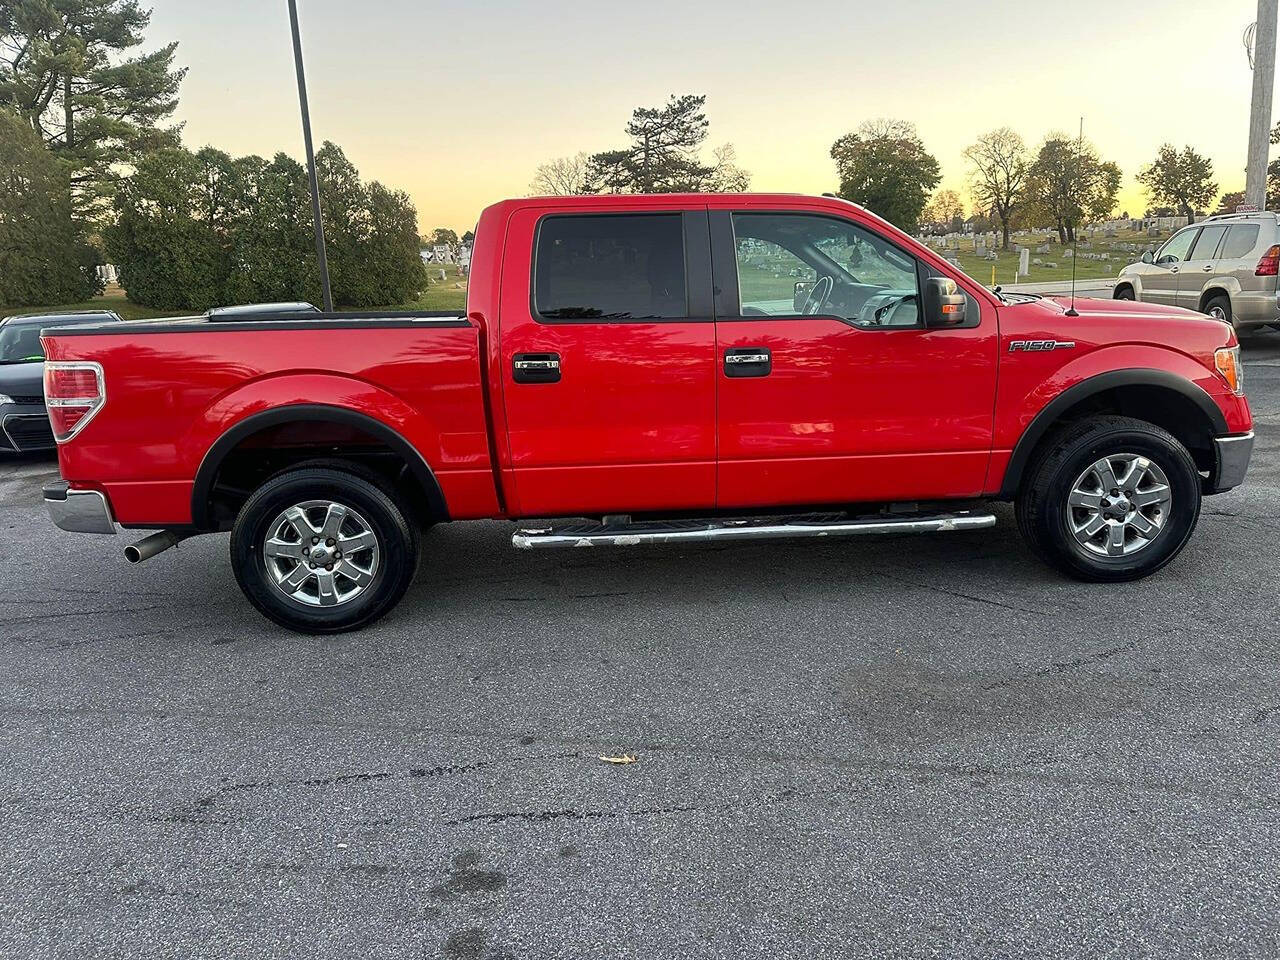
x=1225, y=266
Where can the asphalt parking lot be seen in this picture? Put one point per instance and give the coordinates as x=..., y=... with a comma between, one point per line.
x=891, y=747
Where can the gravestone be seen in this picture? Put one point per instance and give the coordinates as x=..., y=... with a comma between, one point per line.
x=1024, y=261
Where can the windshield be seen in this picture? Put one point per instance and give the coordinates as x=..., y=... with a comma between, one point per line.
x=20, y=344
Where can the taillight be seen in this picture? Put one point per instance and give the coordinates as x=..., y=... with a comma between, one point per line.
x=73, y=392
x=1269, y=265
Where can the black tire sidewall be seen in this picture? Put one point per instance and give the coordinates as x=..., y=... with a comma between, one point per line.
x=396, y=541
x=1184, y=482
x=1224, y=302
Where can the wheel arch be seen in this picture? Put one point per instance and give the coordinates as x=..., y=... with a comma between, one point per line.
x=302, y=413
x=1157, y=396
x=1217, y=289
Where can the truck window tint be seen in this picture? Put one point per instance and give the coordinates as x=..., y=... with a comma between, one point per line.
x=610, y=267
x=1207, y=243
x=1241, y=239
x=781, y=258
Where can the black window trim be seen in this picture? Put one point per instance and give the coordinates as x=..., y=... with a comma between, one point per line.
x=695, y=235
x=725, y=273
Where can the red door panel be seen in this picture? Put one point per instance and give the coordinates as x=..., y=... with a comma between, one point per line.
x=849, y=415
x=629, y=426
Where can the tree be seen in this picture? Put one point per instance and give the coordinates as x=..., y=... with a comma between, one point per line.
x=196, y=230
x=1069, y=183
x=44, y=256
x=563, y=177
x=884, y=166
x=663, y=154
x=1183, y=180
x=944, y=212
x=64, y=68
x=998, y=169
x=444, y=237
x=468, y=239
x=1229, y=201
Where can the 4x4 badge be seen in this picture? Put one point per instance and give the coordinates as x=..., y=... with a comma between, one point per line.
x=1030, y=346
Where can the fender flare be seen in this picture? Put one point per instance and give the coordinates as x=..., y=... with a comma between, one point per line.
x=302, y=413
x=1055, y=408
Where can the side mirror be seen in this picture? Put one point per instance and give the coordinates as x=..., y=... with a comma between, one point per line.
x=945, y=305
x=801, y=295
x=1148, y=256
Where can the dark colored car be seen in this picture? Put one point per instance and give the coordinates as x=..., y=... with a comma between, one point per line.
x=24, y=423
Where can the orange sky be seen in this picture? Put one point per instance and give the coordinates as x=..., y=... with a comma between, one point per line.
x=458, y=103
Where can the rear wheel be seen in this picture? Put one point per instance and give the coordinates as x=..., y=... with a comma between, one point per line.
x=1110, y=499
x=322, y=550
x=1218, y=307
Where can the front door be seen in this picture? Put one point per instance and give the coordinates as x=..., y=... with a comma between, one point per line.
x=608, y=361
x=1160, y=279
x=831, y=389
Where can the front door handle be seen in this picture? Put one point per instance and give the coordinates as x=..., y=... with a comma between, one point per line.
x=748, y=362
x=535, y=368
x=1173, y=269
x=1208, y=267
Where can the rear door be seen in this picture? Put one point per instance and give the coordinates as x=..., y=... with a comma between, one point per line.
x=1200, y=266
x=608, y=359
x=1160, y=280
x=833, y=391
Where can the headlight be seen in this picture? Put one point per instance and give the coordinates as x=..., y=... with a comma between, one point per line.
x=4, y=399
x=1227, y=361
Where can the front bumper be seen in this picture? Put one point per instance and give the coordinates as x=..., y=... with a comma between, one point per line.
x=80, y=511
x=1231, y=461
x=24, y=427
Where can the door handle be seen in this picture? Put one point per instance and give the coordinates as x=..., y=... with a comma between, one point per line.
x=748, y=362
x=1208, y=267
x=535, y=368
x=1173, y=269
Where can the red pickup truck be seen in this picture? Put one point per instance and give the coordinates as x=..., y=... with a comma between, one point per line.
x=653, y=369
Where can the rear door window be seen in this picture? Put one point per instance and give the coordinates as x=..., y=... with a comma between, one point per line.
x=610, y=267
x=1241, y=239
x=1207, y=243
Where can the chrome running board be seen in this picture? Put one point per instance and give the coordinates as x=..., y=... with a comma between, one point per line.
x=542, y=536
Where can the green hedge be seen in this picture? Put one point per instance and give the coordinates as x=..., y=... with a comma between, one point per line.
x=196, y=230
x=45, y=256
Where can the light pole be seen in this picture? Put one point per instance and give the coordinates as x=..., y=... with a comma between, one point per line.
x=1264, y=70
x=321, y=258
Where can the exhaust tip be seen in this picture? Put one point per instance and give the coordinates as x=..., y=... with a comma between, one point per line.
x=132, y=554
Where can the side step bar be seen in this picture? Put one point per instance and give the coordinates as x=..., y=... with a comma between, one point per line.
x=542, y=536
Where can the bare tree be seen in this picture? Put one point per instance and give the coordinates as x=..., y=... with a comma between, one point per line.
x=726, y=176
x=564, y=176
x=999, y=168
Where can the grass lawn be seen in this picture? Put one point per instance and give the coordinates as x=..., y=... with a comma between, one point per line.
x=1006, y=262
x=448, y=295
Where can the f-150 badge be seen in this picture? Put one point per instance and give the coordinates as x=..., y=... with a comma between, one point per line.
x=1035, y=346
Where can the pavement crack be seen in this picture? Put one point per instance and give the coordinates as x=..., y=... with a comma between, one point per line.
x=1065, y=665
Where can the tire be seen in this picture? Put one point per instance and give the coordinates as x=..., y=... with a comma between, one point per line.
x=1124, y=293
x=361, y=587
x=1068, y=463
x=1218, y=306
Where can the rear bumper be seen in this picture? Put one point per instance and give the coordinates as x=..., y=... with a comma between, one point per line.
x=1232, y=461
x=1255, y=306
x=80, y=511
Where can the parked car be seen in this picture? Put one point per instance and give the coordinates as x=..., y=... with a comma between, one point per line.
x=653, y=369
x=24, y=424
x=1225, y=266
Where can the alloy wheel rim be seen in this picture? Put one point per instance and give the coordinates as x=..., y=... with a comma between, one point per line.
x=1119, y=505
x=1217, y=313
x=321, y=553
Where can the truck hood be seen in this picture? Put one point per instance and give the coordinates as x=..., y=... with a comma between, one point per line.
x=22, y=379
x=1107, y=321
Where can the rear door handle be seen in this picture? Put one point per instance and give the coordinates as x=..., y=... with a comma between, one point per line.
x=748, y=362
x=1208, y=267
x=1173, y=269
x=535, y=368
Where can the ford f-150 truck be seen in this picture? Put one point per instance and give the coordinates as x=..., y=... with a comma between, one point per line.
x=650, y=369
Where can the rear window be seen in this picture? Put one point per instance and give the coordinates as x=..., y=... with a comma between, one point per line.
x=610, y=267
x=1241, y=239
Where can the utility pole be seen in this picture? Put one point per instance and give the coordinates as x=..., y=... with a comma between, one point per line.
x=1264, y=71
x=321, y=258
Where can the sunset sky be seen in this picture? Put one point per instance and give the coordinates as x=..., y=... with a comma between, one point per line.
x=458, y=103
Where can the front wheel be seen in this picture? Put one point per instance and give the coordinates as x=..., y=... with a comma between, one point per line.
x=1110, y=499
x=322, y=550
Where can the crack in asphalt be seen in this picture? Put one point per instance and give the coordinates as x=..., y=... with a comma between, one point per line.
x=1064, y=665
